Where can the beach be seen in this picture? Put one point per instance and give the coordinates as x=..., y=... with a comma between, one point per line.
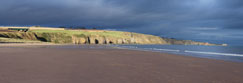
x=48, y=64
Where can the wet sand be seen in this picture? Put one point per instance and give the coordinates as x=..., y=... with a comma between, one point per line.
x=108, y=65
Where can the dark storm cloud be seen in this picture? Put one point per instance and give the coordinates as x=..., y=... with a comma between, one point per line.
x=79, y=12
x=125, y=13
x=159, y=17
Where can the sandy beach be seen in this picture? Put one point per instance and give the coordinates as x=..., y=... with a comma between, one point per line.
x=110, y=65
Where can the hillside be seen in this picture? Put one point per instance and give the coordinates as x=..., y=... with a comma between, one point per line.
x=63, y=36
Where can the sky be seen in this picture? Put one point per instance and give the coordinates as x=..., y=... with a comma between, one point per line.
x=216, y=21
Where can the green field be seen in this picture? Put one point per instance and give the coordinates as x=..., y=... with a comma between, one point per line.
x=84, y=32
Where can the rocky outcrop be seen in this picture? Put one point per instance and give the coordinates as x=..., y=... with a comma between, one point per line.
x=123, y=38
x=188, y=42
x=132, y=39
x=129, y=38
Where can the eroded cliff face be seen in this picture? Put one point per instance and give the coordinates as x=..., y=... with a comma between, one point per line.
x=127, y=38
x=123, y=38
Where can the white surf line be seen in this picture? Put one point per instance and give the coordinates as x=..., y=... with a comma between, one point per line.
x=166, y=50
x=148, y=48
x=214, y=53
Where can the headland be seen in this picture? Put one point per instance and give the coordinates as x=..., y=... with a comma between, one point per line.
x=85, y=36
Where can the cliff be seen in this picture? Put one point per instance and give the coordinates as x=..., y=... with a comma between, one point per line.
x=187, y=42
x=123, y=38
x=92, y=37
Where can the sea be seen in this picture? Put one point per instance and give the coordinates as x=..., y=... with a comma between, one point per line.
x=227, y=53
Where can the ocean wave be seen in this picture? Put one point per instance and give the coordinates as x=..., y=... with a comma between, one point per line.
x=166, y=50
x=214, y=53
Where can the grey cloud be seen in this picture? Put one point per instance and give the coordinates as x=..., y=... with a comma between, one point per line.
x=158, y=17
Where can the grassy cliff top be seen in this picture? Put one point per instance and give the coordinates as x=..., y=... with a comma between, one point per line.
x=84, y=36
x=70, y=31
x=80, y=36
x=84, y=32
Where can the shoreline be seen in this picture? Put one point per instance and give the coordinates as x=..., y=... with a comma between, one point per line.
x=52, y=45
x=111, y=65
x=24, y=44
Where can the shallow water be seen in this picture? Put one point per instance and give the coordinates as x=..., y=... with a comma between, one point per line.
x=229, y=53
